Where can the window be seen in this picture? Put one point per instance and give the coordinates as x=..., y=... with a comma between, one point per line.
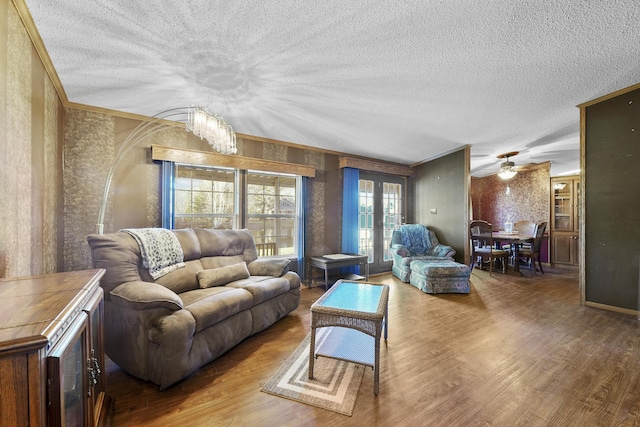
x=268, y=204
x=204, y=197
x=272, y=211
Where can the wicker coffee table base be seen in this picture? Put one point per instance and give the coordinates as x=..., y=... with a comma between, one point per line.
x=354, y=335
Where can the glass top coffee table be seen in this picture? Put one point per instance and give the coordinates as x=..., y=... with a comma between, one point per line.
x=356, y=313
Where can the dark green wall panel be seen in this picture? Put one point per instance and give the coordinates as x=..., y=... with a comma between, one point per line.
x=612, y=201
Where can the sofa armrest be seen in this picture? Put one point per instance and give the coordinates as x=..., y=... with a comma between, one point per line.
x=139, y=295
x=269, y=267
x=399, y=250
x=441, y=250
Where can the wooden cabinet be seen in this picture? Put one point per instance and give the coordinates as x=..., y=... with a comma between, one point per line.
x=51, y=350
x=565, y=202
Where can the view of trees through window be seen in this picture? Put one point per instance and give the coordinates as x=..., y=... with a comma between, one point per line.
x=206, y=197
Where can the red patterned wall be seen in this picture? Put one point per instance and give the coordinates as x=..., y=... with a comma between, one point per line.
x=528, y=197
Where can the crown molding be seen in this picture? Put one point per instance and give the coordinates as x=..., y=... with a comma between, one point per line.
x=34, y=35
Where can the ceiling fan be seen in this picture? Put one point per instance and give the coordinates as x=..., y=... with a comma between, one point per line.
x=508, y=168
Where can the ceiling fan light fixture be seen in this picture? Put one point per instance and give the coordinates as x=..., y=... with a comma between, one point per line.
x=507, y=169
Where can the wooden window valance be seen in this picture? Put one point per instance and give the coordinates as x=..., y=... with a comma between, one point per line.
x=373, y=166
x=195, y=157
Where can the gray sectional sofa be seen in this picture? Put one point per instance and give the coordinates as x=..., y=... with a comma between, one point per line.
x=164, y=329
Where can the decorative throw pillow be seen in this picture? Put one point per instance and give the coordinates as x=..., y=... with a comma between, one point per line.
x=223, y=275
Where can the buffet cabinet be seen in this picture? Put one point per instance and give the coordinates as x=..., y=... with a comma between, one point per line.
x=565, y=202
x=52, y=350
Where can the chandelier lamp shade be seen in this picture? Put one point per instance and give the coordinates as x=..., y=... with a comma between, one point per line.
x=218, y=133
x=213, y=128
x=507, y=168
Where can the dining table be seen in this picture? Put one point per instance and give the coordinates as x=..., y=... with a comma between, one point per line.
x=514, y=238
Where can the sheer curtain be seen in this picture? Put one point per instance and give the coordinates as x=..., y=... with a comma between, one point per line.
x=350, y=208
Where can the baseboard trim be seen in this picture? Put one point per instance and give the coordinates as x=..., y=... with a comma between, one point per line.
x=611, y=308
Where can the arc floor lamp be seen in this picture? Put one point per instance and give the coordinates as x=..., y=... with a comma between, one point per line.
x=218, y=133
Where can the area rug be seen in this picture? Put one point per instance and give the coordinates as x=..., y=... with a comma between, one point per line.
x=335, y=384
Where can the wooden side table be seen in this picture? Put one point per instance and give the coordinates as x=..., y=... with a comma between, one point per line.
x=336, y=261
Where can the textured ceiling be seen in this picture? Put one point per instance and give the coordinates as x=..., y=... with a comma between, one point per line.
x=403, y=81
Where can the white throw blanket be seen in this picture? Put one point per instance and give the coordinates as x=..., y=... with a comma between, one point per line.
x=160, y=249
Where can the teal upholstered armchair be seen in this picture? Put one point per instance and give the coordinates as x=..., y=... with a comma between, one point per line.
x=412, y=242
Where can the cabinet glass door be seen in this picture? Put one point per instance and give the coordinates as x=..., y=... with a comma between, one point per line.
x=68, y=382
x=576, y=205
x=563, y=207
x=95, y=311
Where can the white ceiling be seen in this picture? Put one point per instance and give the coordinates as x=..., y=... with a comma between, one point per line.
x=402, y=81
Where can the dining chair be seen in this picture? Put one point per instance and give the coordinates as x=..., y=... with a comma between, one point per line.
x=524, y=226
x=482, y=247
x=531, y=254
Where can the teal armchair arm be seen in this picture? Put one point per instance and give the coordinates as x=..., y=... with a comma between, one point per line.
x=441, y=250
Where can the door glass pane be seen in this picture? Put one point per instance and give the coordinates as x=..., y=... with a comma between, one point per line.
x=392, y=208
x=365, y=244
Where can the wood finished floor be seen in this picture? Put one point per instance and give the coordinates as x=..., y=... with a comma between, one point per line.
x=515, y=351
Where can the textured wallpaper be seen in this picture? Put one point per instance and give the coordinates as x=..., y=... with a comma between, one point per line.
x=91, y=140
x=88, y=151
x=528, y=197
x=30, y=149
x=17, y=166
x=52, y=203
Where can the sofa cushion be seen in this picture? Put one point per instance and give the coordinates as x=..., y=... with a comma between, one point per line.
x=212, y=305
x=181, y=280
x=269, y=267
x=189, y=243
x=140, y=295
x=440, y=268
x=220, y=261
x=222, y=275
x=406, y=261
x=227, y=243
x=262, y=288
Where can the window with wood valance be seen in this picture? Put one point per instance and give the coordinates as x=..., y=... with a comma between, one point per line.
x=194, y=157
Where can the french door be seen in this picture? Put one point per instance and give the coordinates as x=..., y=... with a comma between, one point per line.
x=381, y=210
